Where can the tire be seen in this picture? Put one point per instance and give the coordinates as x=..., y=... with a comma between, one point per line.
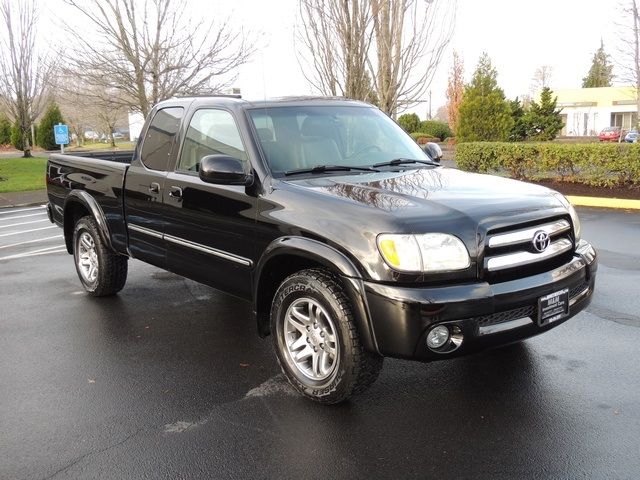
x=101, y=272
x=316, y=340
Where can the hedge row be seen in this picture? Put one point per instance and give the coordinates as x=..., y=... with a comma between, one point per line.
x=596, y=164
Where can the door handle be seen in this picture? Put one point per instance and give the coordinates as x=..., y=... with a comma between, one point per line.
x=154, y=187
x=175, y=192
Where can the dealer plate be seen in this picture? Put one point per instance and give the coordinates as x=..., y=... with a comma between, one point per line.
x=553, y=307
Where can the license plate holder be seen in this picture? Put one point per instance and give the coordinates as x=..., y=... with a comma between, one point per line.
x=553, y=307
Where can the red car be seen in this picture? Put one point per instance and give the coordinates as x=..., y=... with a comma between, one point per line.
x=611, y=134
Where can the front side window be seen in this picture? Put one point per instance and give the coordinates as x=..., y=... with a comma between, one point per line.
x=159, y=139
x=211, y=132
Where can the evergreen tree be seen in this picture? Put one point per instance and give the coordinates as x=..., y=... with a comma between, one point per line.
x=17, y=137
x=543, y=121
x=5, y=129
x=519, y=129
x=600, y=73
x=484, y=114
x=46, y=137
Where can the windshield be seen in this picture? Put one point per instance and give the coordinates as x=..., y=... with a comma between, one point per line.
x=303, y=137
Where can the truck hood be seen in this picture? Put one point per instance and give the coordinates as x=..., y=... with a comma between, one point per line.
x=429, y=200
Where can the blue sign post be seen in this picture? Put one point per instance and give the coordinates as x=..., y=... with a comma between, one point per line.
x=61, y=133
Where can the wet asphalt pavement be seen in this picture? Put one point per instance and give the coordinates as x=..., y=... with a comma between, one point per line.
x=168, y=379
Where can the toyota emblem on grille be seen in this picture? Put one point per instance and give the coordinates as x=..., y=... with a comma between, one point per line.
x=541, y=241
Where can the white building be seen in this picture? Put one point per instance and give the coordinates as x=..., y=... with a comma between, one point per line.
x=586, y=111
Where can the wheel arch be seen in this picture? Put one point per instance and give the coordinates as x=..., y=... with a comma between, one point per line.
x=77, y=205
x=288, y=255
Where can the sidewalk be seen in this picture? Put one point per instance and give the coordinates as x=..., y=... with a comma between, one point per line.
x=23, y=199
x=39, y=197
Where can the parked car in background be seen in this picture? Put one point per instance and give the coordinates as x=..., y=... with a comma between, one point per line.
x=611, y=134
x=632, y=136
x=91, y=135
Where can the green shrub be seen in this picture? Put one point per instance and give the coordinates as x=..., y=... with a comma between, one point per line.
x=437, y=129
x=604, y=165
x=16, y=137
x=410, y=122
x=5, y=130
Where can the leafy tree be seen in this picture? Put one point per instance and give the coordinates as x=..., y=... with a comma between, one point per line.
x=455, y=90
x=410, y=122
x=600, y=73
x=484, y=114
x=45, y=137
x=5, y=129
x=519, y=129
x=543, y=121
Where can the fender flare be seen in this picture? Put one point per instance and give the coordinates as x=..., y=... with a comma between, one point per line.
x=334, y=260
x=88, y=202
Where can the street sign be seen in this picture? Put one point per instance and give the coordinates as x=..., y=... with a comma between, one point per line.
x=61, y=133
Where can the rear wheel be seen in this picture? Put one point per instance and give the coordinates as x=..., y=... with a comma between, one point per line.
x=100, y=271
x=316, y=339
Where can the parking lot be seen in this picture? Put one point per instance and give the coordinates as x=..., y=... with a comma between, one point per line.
x=168, y=379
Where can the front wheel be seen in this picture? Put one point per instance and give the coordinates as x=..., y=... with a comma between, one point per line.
x=100, y=271
x=316, y=339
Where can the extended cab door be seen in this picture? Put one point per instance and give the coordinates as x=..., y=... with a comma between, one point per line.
x=210, y=229
x=145, y=184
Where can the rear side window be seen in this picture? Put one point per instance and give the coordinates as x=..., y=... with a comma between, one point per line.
x=158, y=142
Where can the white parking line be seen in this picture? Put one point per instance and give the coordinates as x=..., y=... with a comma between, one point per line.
x=9, y=212
x=23, y=223
x=27, y=231
x=43, y=251
x=18, y=217
x=30, y=241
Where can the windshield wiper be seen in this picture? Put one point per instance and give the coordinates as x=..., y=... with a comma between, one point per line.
x=330, y=168
x=404, y=161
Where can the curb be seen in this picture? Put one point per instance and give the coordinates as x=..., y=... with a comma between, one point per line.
x=604, y=202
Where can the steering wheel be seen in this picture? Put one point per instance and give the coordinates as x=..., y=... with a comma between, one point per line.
x=366, y=148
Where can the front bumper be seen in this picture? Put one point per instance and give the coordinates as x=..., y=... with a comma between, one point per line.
x=482, y=315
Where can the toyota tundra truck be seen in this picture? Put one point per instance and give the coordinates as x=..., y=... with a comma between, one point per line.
x=349, y=241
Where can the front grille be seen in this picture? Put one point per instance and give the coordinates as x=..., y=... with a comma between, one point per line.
x=525, y=250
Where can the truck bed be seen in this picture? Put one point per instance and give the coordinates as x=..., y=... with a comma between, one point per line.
x=98, y=177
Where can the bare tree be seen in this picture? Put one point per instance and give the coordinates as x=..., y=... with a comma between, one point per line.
x=23, y=65
x=401, y=42
x=337, y=36
x=143, y=52
x=542, y=78
x=629, y=58
x=410, y=39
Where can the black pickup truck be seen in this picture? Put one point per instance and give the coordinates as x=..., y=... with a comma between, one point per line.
x=349, y=241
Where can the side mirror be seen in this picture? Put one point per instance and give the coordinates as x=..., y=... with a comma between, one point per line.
x=223, y=170
x=433, y=150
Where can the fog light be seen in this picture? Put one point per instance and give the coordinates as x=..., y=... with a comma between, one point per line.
x=438, y=336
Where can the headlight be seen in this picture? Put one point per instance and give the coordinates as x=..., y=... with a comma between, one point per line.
x=577, y=229
x=430, y=252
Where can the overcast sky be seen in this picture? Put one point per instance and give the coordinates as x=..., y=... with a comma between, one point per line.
x=519, y=37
